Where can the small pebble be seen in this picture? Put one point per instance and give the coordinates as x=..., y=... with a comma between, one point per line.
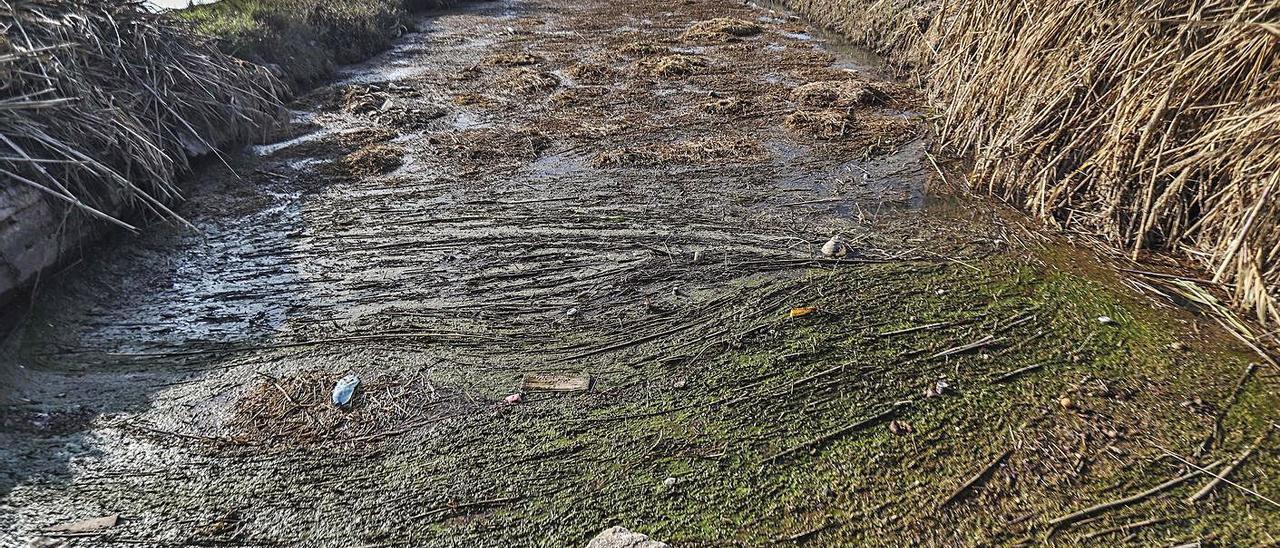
x=1066, y=403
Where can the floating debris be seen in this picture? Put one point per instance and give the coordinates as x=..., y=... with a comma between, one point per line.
x=727, y=105
x=694, y=151
x=840, y=93
x=91, y=525
x=642, y=48
x=529, y=80
x=673, y=65
x=823, y=124
x=373, y=160
x=552, y=382
x=592, y=73
x=720, y=29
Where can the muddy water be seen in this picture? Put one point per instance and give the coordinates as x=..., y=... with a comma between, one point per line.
x=518, y=187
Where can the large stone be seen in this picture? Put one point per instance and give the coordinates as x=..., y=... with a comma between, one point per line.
x=620, y=537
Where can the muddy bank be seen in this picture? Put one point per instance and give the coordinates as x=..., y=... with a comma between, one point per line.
x=637, y=194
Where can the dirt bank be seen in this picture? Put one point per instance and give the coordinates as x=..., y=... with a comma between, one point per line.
x=637, y=192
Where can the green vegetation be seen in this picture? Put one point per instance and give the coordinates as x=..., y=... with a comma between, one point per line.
x=761, y=437
x=305, y=39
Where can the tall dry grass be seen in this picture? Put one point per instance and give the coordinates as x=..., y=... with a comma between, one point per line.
x=102, y=101
x=1150, y=124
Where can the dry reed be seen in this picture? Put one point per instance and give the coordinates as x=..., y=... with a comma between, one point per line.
x=1147, y=124
x=102, y=102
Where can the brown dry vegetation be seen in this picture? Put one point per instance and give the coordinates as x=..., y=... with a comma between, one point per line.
x=1149, y=125
x=101, y=103
x=720, y=29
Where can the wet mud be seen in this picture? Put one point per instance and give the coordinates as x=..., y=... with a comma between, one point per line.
x=638, y=192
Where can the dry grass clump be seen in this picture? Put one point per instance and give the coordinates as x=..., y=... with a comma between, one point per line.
x=373, y=160
x=720, y=29
x=102, y=102
x=512, y=59
x=527, y=80
x=365, y=136
x=672, y=66
x=640, y=48
x=296, y=410
x=362, y=100
x=579, y=95
x=592, y=73
x=491, y=143
x=1147, y=124
x=840, y=93
x=472, y=99
x=725, y=105
x=695, y=151
x=822, y=124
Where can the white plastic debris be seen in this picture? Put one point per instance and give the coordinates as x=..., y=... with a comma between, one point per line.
x=1105, y=320
x=836, y=247
x=669, y=483
x=620, y=537
x=345, y=389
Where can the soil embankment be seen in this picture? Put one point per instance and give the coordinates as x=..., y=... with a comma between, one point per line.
x=626, y=200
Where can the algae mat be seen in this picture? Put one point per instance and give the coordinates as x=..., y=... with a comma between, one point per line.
x=625, y=202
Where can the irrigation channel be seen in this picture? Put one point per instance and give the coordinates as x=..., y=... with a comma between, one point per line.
x=616, y=210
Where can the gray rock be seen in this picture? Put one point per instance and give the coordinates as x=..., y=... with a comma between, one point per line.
x=620, y=537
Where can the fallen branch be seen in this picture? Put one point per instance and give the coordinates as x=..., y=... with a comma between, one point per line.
x=1011, y=374
x=975, y=479
x=825, y=438
x=1222, y=476
x=1084, y=513
x=985, y=341
x=1123, y=528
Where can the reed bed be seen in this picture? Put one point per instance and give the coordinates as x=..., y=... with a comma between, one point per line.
x=1150, y=125
x=102, y=102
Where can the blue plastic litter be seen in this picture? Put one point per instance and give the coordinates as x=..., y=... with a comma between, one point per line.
x=345, y=389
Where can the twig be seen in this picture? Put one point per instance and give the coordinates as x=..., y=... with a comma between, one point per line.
x=985, y=341
x=823, y=439
x=1222, y=476
x=1124, y=528
x=1097, y=508
x=975, y=479
x=1217, y=420
x=1016, y=372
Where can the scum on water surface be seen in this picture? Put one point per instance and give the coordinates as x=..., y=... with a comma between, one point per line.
x=592, y=187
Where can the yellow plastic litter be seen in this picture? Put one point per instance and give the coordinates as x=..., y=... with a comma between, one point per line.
x=803, y=311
